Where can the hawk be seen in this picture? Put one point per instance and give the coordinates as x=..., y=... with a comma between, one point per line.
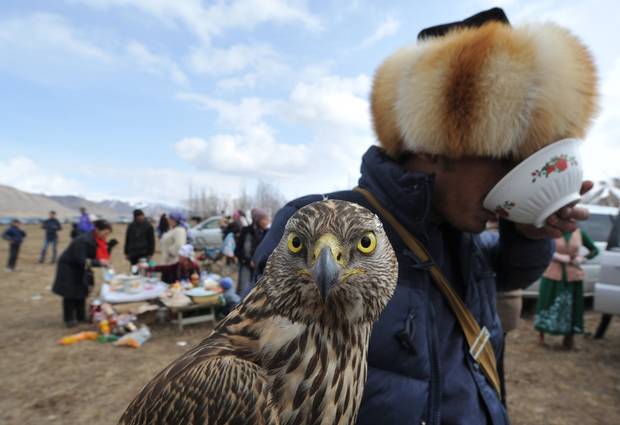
x=294, y=351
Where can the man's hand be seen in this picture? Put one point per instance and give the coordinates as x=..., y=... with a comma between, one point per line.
x=563, y=220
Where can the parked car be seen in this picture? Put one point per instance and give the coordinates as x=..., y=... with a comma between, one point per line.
x=206, y=234
x=607, y=289
x=598, y=226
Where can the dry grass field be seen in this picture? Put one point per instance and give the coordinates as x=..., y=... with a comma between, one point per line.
x=90, y=383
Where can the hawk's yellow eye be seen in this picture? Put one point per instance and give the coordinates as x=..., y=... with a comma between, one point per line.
x=294, y=243
x=367, y=243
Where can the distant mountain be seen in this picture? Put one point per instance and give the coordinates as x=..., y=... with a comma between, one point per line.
x=17, y=203
x=75, y=203
x=121, y=207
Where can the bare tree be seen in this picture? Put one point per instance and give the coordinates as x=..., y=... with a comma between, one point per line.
x=244, y=202
x=268, y=197
x=206, y=202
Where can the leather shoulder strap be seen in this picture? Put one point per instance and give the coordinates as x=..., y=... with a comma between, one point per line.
x=477, y=339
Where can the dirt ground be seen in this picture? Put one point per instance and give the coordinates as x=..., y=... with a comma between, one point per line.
x=90, y=383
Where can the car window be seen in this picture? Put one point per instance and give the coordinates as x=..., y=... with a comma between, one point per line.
x=211, y=224
x=598, y=226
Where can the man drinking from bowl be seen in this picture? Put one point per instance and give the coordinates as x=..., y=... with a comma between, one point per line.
x=453, y=114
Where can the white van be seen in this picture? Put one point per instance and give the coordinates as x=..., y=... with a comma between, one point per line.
x=598, y=226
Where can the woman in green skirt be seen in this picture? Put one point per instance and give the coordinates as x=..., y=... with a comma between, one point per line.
x=560, y=299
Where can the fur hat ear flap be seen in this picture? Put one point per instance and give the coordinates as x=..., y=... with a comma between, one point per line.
x=491, y=91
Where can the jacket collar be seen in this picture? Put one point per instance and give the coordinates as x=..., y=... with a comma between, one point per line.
x=406, y=194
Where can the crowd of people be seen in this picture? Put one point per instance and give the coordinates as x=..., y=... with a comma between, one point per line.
x=89, y=248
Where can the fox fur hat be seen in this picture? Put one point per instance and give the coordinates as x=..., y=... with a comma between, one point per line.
x=491, y=90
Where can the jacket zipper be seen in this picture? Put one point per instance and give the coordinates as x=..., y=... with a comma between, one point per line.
x=435, y=387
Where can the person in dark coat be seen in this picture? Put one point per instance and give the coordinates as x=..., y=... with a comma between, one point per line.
x=52, y=227
x=139, y=239
x=443, y=118
x=15, y=236
x=75, y=231
x=248, y=239
x=74, y=278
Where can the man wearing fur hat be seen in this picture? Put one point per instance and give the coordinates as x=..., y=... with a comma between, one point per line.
x=453, y=114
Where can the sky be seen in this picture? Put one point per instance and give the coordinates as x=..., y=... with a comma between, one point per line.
x=139, y=100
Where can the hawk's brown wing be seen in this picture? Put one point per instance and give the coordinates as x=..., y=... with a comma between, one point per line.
x=212, y=391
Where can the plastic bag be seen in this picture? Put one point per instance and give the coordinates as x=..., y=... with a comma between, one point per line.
x=134, y=339
x=228, y=245
x=81, y=336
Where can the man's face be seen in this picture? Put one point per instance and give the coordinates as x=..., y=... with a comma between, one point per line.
x=461, y=186
x=52, y=215
x=184, y=261
x=140, y=218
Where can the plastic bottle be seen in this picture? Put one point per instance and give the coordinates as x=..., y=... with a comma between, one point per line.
x=96, y=314
x=106, y=338
x=104, y=327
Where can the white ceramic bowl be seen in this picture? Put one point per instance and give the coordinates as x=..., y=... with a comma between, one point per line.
x=540, y=185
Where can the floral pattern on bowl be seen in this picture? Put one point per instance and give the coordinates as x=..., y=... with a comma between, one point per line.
x=557, y=164
x=503, y=210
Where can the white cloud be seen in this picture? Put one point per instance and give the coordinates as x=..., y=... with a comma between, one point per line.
x=47, y=34
x=209, y=21
x=25, y=174
x=172, y=185
x=155, y=64
x=334, y=113
x=239, y=57
x=247, y=81
x=247, y=113
x=332, y=100
x=387, y=28
x=241, y=65
x=251, y=153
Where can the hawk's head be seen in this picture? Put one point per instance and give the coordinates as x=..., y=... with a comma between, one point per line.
x=334, y=262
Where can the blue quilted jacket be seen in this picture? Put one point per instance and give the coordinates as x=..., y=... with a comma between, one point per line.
x=420, y=371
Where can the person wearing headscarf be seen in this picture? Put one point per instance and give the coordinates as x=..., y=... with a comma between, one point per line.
x=238, y=216
x=174, y=238
x=559, y=310
x=183, y=269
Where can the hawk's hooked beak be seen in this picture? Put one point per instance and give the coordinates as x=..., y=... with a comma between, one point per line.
x=328, y=262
